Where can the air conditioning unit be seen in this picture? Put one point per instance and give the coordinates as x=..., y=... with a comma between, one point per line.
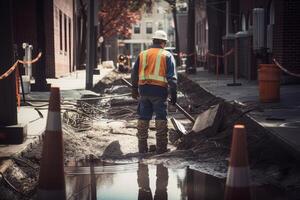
x=258, y=28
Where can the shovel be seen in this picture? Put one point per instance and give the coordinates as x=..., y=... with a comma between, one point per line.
x=177, y=125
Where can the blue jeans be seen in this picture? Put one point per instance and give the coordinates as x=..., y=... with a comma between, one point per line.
x=149, y=104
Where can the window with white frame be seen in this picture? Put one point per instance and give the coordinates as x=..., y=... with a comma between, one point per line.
x=149, y=28
x=137, y=28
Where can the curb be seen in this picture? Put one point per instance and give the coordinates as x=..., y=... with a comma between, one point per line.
x=183, y=78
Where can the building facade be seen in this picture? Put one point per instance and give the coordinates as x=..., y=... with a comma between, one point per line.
x=258, y=30
x=63, y=36
x=157, y=17
x=57, y=32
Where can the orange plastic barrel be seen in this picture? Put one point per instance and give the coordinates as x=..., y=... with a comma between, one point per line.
x=269, y=83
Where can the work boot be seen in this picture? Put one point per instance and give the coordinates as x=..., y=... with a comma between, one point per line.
x=161, y=136
x=142, y=135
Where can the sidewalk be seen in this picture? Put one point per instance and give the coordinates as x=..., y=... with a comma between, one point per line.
x=281, y=120
x=71, y=86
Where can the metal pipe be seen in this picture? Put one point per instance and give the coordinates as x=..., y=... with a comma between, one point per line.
x=184, y=112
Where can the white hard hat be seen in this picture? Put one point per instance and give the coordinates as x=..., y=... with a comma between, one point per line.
x=161, y=35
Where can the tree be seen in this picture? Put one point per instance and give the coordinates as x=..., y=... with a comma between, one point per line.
x=117, y=16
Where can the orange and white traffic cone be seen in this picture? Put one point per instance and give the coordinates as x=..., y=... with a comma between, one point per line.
x=238, y=185
x=51, y=178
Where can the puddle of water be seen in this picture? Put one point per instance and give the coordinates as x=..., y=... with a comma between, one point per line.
x=148, y=182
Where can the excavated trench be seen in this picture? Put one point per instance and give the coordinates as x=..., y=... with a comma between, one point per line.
x=104, y=128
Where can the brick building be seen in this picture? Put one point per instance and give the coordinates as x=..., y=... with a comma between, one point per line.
x=58, y=29
x=280, y=39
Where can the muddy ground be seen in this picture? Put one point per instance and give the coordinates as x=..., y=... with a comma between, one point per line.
x=105, y=128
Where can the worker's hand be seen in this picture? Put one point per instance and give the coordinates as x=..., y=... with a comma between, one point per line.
x=173, y=97
x=134, y=93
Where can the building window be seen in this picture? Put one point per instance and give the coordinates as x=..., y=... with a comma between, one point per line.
x=149, y=27
x=65, y=30
x=60, y=31
x=148, y=8
x=160, y=26
x=137, y=28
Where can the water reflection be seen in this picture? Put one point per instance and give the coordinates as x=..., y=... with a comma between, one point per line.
x=161, y=183
x=148, y=182
x=203, y=187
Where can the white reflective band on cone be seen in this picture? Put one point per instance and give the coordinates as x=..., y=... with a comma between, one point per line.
x=53, y=121
x=238, y=177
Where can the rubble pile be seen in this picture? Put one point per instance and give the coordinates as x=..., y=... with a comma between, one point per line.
x=105, y=128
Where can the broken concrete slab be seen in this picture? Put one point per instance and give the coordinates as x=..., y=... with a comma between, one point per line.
x=209, y=121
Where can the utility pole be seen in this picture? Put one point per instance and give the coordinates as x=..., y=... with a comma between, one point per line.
x=10, y=132
x=91, y=45
x=96, y=32
x=191, y=57
x=174, y=13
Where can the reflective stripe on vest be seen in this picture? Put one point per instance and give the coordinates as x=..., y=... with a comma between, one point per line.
x=156, y=75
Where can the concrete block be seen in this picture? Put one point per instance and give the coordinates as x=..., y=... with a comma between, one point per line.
x=209, y=121
x=15, y=134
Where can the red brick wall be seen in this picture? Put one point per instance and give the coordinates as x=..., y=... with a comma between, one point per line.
x=57, y=62
x=62, y=56
x=286, y=30
x=287, y=34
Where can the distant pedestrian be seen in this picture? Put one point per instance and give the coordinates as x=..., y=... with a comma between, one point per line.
x=153, y=75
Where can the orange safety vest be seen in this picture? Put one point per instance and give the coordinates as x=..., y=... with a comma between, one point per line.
x=153, y=67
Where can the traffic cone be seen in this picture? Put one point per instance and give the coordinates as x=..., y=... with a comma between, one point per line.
x=51, y=178
x=238, y=177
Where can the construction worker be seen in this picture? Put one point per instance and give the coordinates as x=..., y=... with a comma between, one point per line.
x=153, y=75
